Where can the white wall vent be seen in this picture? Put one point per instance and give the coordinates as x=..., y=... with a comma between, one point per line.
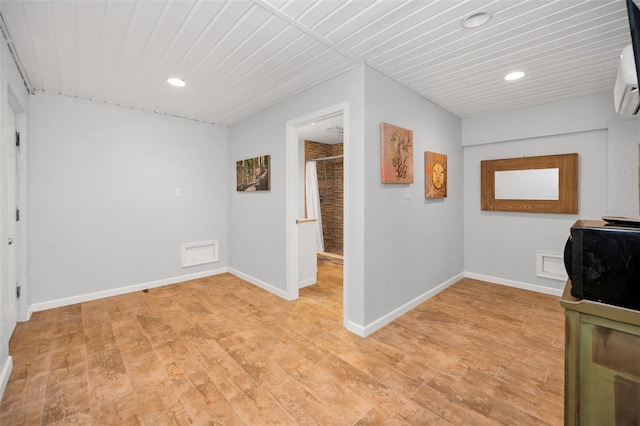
x=199, y=253
x=550, y=265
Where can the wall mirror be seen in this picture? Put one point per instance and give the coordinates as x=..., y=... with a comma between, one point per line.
x=543, y=184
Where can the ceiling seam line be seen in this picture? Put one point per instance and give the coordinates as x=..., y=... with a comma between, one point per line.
x=14, y=55
x=308, y=31
x=213, y=123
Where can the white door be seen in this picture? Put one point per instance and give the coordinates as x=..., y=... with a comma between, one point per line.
x=12, y=231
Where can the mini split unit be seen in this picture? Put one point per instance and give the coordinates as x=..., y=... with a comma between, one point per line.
x=625, y=92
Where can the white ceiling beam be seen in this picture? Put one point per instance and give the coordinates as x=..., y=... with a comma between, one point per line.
x=275, y=11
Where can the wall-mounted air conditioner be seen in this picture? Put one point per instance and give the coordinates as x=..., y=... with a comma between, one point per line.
x=625, y=92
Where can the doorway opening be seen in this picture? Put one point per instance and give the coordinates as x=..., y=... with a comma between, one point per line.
x=298, y=130
x=323, y=144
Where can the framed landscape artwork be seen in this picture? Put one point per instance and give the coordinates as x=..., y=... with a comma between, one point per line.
x=435, y=175
x=396, y=154
x=254, y=174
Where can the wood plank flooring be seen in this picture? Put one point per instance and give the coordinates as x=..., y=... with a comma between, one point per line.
x=221, y=351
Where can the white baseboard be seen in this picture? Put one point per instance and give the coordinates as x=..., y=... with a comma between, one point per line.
x=515, y=284
x=308, y=282
x=41, y=306
x=4, y=374
x=398, y=312
x=356, y=328
x=265, y=286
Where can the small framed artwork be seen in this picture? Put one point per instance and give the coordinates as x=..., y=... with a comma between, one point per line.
x=435, y=175
x=254, y=174
x=396, y=154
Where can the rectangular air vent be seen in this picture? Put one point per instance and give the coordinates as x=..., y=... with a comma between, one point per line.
x=199, y=253
x=550, y=265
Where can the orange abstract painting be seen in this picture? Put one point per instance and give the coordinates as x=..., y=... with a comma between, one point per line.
x=396, y=154
x=435, y=175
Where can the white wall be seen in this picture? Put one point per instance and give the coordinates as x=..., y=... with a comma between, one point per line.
x=624, y=139
x=12, y=91
x=257, y=227
x=501, y=246
x=411, y=245
x=103, y=207
x=580, y=114
x=390, y=256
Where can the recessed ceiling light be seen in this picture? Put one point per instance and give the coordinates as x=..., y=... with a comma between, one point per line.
x=475, y=20
x=516, y=75
x=176, y=82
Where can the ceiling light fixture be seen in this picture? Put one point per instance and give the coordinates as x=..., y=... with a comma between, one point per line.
x=516, y=75
x=176, y=82
x=475, y=20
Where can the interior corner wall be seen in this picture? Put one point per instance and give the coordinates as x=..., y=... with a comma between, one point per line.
x=104, y=213
x=257, y=228
x=13, y=94
x=412, y=245
x=501, y=246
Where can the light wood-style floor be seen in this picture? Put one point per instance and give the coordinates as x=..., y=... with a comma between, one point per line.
x=221, y=351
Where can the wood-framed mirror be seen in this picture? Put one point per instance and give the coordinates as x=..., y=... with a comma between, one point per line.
x=542, y=184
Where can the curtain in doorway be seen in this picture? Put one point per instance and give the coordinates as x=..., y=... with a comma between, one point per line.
x=313, y=202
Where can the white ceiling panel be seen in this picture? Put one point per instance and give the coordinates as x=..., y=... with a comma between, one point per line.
x=256, y=49
x=224, y=28
x=292, y=8
x=396, y=31
x=257, y=70
x=321, y=64
x=87, y=24
x=369, y=14
x=514, y=98
x=318, y=11
x=556, y=63
x=340, y=16
x=284, y=91
x=454, y=42
x=227, y=58
x=145, y=19
x=502, y=60
x=113, y=37
x=21, y=36
x=238, y=57
x=173, y=51
x=42, y=36
x=158, y=45
x=247, y=36
x=65, y=35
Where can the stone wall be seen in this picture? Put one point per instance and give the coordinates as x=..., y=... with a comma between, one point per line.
x=331, y=185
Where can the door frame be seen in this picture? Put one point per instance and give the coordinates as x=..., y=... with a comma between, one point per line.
x=13, y=102
x=293, y=179
x=11, y=236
